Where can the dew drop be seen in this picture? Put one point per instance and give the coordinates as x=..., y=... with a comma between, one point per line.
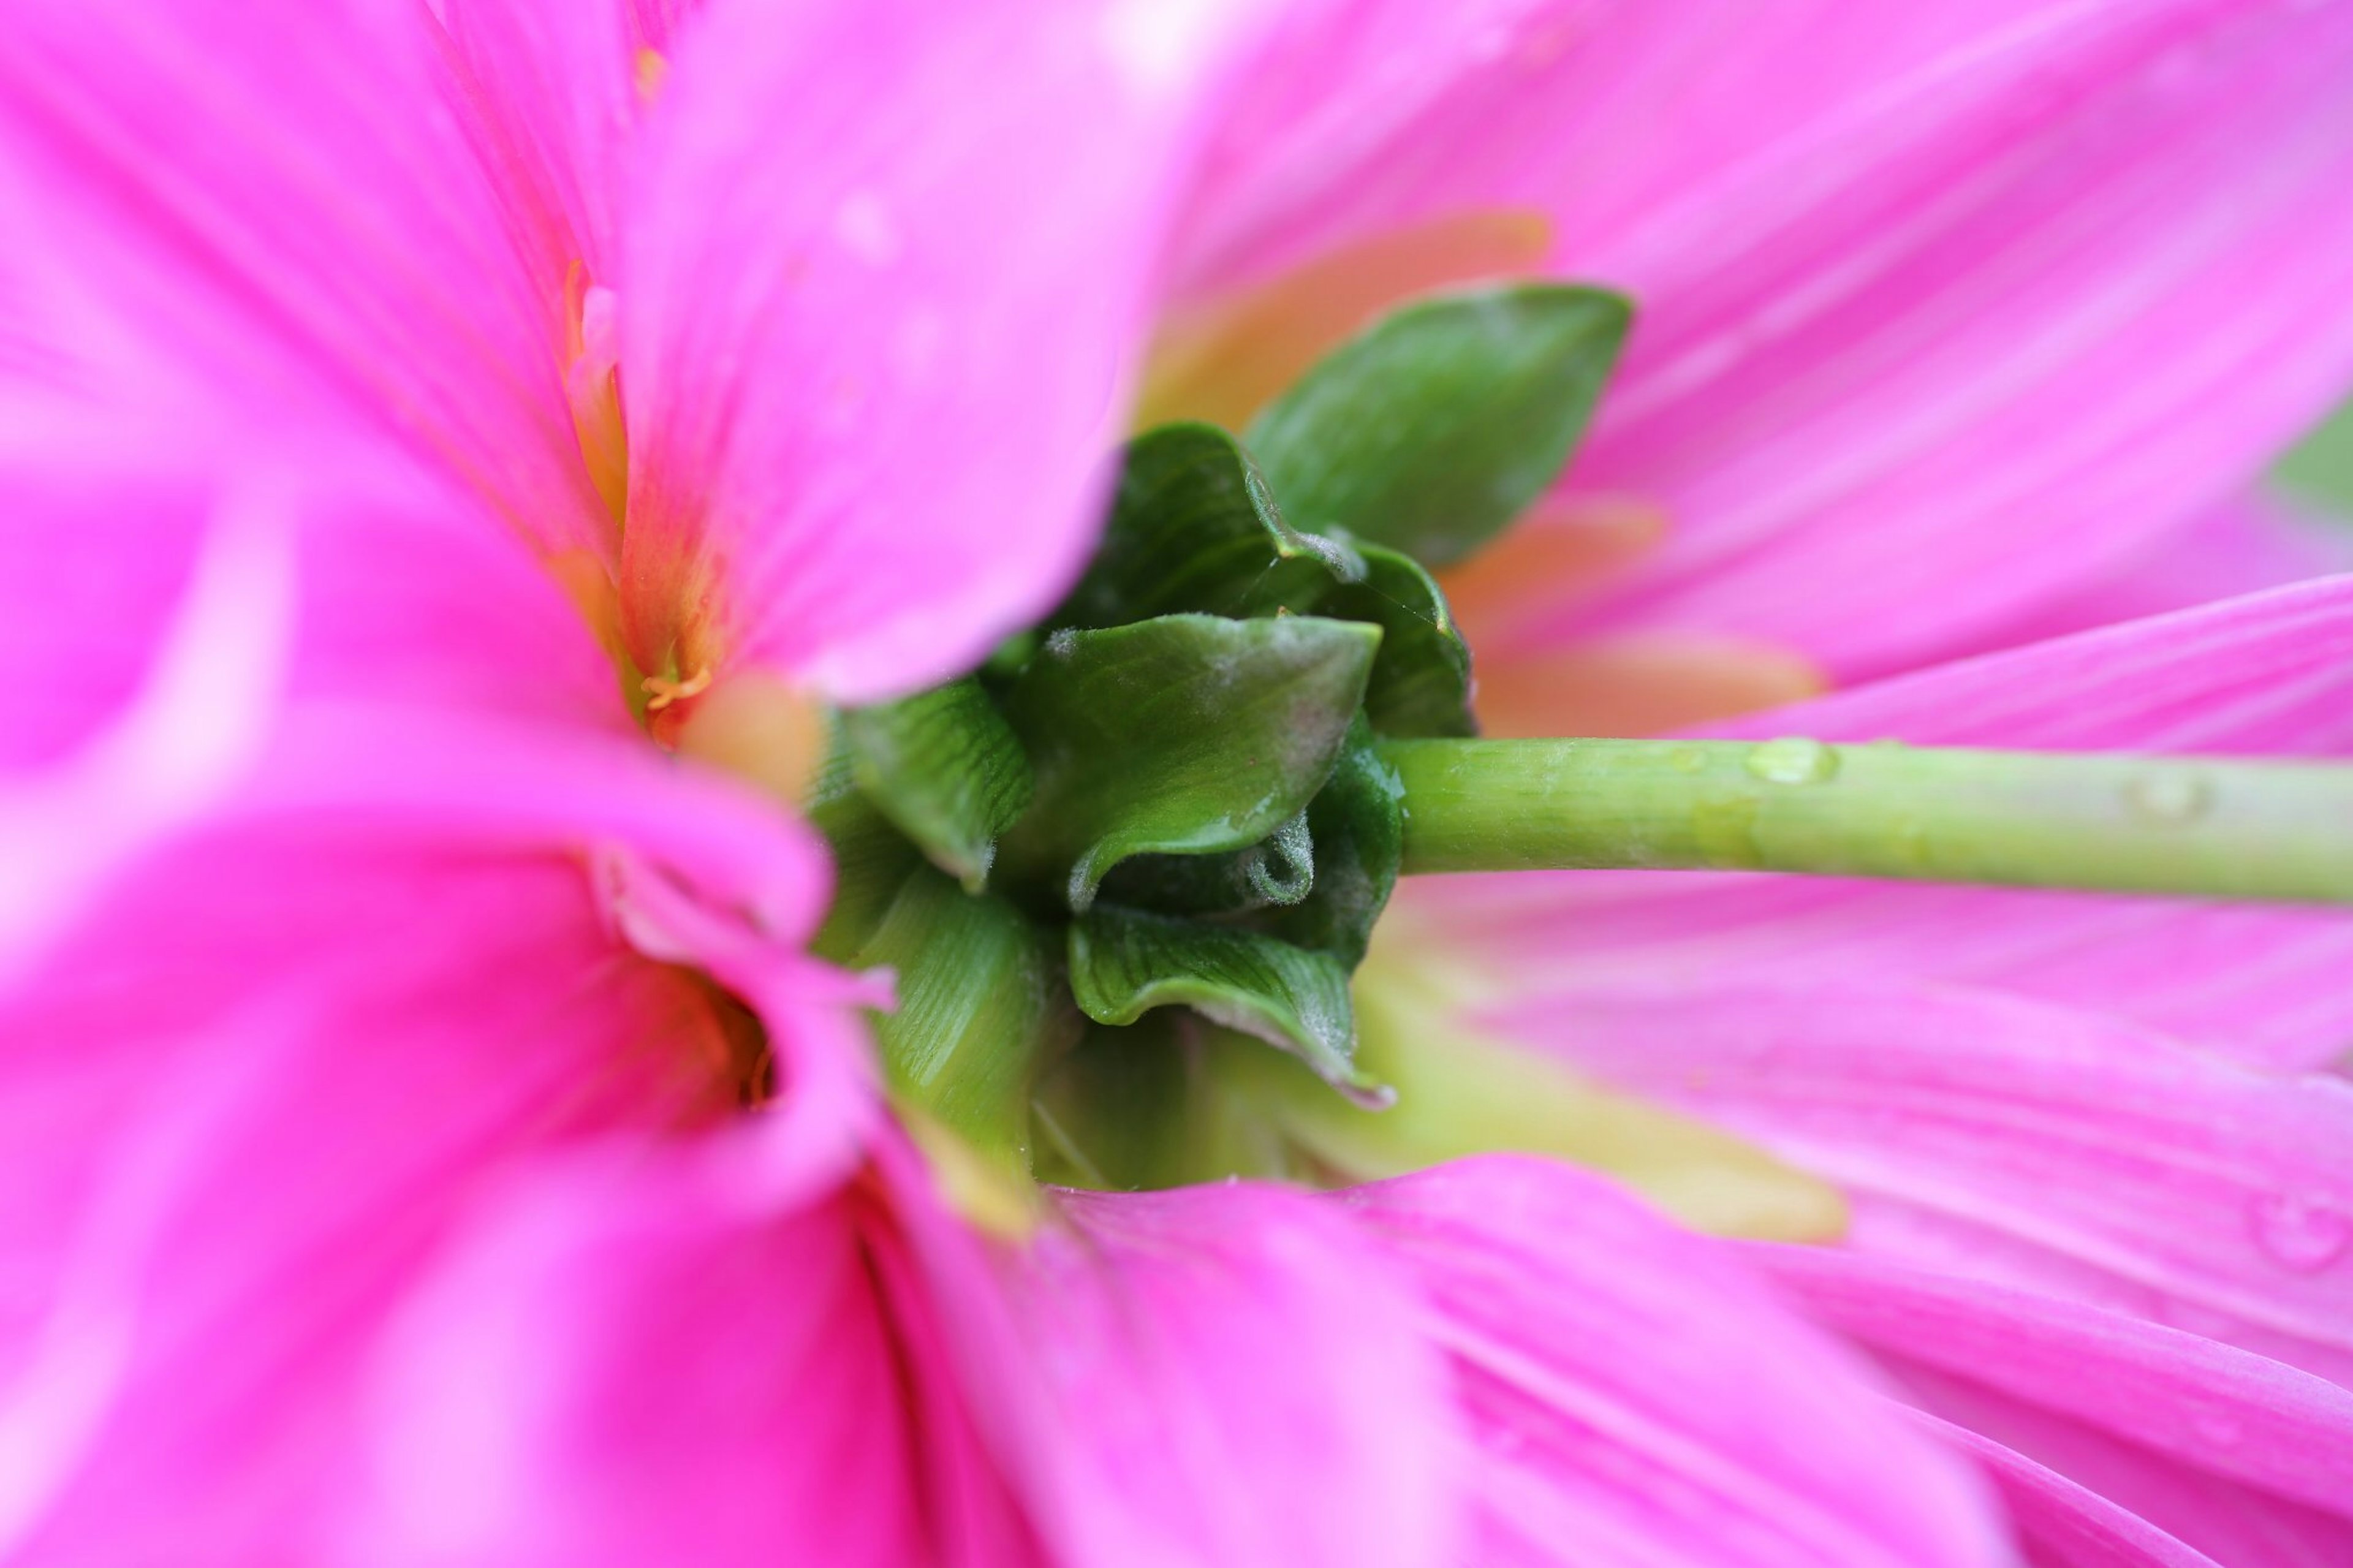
x=2169, y=798
x=2300, y=1233
x=1792, y=761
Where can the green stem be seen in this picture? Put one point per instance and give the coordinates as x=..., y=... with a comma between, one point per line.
x=2146, y=825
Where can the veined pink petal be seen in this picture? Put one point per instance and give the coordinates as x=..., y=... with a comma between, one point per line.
x=2060, y=1523
x=623, y=1365
x=2268, y=674
x=2251, y=543
x=454, y=921
x=550, y=92
x=866, y=368
x=375, y=1032
x=2221, y=1447
x=2088, y=310
x=1634, y=1401
x=1370, y=114
x=2017, y=1140
x=271, y=196
x=1224, y=1374
x=1952, y=306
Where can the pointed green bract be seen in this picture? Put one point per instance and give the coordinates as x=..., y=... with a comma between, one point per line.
x=1440, y=423
x=1193, y=528
x=1188, y=734
x=1125, y=963
x=947, y=768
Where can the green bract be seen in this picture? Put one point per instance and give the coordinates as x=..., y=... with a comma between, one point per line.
x=947, y=768
x=1437, y=425
x=1125, y=963
x=1183, y=735
x=1168, y=798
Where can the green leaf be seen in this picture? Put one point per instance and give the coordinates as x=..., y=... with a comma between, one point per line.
x=1184, y=735
x=944, y=767
x=1125, y=963
x=1420, y=684
x=1358, y=826
x=1193, y=527
x=981, y=998
x=1440, y=423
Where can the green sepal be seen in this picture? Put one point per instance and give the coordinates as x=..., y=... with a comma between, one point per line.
x=981, y=997
x=1421, y=684
x=1193, y=528
x=1184, y=735
x=947, y=768
x=1124, y=1108
x=1358, y=825
x=1125, y=963
x=1437, y=425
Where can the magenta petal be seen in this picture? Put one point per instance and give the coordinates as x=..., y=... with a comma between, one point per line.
x=278, y=1053
x=1947, y=307
x=160, y=727
x=870, y=370
x=2241, y=1457
x=2249, y=544
x=549, y=88
x=1227, y=1374
x=262, y=202
x=623, y=1365
x=2017, y=1141
x=266, y=1076
x=1635, y=1401
x=2268, y=674
x=1246, y=1378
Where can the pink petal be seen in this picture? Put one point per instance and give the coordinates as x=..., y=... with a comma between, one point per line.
x=2270, y=673
x=1635, y=1401
x=2017, y=1141
x=2202, y=1411
x=239, y=1108
x=1221, y=1375
x=448, y=924
x=2248, y=543
x=154, y=747
x=2062, y=1524
x=287, y=234
x=623, y=1365
x=1948, y=308
x=870, y=369
x=550, y=94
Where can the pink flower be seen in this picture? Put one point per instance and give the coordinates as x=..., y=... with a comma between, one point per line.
x=383, y=997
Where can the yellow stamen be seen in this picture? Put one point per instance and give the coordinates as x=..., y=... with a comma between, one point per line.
x=661, y=693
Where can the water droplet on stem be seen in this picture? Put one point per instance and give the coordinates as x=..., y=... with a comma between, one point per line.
x=2169, y=799
x=1792, y=761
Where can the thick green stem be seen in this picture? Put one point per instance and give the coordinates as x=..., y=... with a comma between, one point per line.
x=2184, y=825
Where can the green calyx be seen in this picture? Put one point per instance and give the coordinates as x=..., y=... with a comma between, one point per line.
x=1164, y=809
